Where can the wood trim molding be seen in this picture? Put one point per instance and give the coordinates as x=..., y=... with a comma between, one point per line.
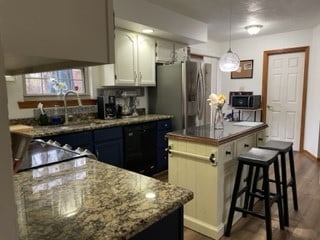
x=310, y=155
x=51, y=103
x=266, y=55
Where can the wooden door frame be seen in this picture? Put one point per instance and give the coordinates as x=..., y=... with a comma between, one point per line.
x=266, y=55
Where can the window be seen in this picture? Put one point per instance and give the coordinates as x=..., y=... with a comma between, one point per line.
x=55, y=82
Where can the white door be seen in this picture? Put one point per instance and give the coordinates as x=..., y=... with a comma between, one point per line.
x=125, y=58
x=284, y=99
x=146, y=61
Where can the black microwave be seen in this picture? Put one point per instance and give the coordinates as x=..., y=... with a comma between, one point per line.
x=246, y=101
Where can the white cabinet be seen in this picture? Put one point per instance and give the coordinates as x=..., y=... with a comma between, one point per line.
x=168, y=52
x=134, y=60
x=212, y=184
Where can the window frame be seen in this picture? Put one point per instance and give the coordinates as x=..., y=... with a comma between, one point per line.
x=29, y=97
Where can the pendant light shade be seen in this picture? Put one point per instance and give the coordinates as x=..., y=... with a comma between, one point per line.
x=229, y=62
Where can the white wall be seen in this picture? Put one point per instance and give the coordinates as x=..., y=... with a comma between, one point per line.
x=253, y=48
x=313, y=98
x=15, y=94
x=145, y=13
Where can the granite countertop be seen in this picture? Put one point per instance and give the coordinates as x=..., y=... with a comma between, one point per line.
x=207, y=134
x=41, y=131
x=87, y=199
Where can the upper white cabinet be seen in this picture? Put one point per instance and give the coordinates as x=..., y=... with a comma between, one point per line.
x=168, y=52
x=56, y=34
x=134, y=60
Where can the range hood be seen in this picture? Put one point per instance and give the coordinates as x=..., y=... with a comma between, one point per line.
x=39, y=35
x=18, y=64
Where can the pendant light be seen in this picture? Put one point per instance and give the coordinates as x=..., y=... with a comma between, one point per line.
x=229, y=61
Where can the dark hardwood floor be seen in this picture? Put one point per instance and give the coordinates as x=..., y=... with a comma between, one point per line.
x=304, y=224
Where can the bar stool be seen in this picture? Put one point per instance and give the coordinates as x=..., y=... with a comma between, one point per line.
x=284, y=148
x=255, y=159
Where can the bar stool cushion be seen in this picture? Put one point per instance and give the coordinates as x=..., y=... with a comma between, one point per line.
x=258, y=156
x=277, y=145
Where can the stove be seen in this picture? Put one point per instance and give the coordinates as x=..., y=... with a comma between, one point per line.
x=41, y=153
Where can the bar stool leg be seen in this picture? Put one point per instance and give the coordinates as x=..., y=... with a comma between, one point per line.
x=267, y=205
x=247, y=194
x=234, y=200
x=254, y=187
x=284, y=190
x=293, y=180
x=278, y=190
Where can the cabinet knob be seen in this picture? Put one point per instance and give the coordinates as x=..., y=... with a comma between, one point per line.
x=260, y=139
x=228, y=152
x=246, y=145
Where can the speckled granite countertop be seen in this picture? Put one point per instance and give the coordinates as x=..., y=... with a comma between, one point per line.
x=207, y=134
x=41, y=131
x=87, y=199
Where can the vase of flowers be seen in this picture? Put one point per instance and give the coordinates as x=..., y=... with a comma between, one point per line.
x=216, y=101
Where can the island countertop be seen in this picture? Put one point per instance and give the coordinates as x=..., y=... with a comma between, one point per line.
x=207, y=133
x=87, y=199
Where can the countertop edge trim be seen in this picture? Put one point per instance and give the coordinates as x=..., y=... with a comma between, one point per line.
x=214, y=142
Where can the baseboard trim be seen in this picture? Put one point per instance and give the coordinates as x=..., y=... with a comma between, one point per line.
x=310, y=155
x=207, y=229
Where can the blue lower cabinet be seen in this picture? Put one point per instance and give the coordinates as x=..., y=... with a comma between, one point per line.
x=108, y=143
x=110, y=152
x=80, y=139
x=164, y=126
x=162, y=160
x=169, y=227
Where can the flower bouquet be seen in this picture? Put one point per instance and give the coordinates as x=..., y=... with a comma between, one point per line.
x=216, y=101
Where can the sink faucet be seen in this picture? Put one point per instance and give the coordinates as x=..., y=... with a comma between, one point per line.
x=66, y=121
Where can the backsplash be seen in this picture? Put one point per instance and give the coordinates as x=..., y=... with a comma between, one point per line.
x=79, y=114
x=73, y=110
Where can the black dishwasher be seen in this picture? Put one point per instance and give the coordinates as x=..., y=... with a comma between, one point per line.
x=140, y=148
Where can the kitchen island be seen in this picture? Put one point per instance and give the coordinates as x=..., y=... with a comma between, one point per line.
x=87, y=199
x=204, y=160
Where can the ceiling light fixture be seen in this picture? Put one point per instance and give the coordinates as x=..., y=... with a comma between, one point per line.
x=229, y=61
x=147, y=30
x=253, y=29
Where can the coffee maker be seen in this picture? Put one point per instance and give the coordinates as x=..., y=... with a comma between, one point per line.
x=107, y=107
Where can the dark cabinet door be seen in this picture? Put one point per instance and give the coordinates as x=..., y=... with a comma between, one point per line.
x=111, y=152
x=109, y=145
x=80, y=139
x=164, y=126
x=170, y=227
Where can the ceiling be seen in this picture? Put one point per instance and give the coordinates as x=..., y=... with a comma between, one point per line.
x=276, y=16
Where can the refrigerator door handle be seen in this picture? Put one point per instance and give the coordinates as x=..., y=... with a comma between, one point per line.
x=200, y=93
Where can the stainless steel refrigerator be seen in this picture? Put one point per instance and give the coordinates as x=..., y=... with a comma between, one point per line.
x=182, y=90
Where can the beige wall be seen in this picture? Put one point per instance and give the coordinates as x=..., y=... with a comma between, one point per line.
x=8, y=214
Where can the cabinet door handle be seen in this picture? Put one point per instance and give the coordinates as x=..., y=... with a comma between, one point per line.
x=212, y=159
x=135, y=75
x=246, y=145
x=168, y=149
x=97, y=153
x=228, y=153
x=260, y=139
x=140, y=76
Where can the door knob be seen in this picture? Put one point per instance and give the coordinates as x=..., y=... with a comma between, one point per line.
x=269, y=107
